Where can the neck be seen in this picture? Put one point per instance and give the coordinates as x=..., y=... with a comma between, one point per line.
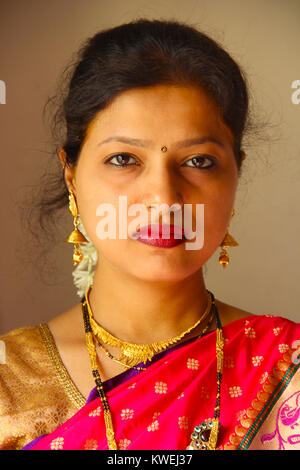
x=140, y=311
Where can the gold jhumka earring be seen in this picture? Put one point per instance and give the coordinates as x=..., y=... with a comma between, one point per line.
x=75, y=236
x=227, y=242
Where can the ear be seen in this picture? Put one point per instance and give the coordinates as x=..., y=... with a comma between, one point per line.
x=69, y=171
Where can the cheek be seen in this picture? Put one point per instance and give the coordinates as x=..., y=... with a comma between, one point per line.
x=92, y=193
x=103, y=216
x=216, y=224
x=218, y=212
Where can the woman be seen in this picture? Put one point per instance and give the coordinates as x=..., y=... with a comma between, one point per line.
x=149, y=359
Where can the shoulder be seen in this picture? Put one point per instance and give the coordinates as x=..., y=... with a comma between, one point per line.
x=263, y=339
x=274, y=332
x=264, y=321
x=19, y=337
x=278, y=327
x=24, y=351
x=267, y=332
x=19, y=347
x=229, y=313
x=24, y=362
x=32, y=399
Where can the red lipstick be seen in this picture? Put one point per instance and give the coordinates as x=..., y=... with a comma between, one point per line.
x=152, y=235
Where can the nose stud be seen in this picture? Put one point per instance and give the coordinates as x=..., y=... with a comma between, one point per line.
x=164, y=149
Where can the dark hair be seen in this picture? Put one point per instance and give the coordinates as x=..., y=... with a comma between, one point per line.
x=145, y=53
x=137, y=54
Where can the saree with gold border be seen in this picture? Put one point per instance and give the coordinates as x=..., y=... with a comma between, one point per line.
x=159, y=407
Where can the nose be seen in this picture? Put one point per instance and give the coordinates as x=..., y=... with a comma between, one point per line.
x=162, y=186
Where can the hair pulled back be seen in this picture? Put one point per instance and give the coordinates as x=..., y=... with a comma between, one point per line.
x=146, y=53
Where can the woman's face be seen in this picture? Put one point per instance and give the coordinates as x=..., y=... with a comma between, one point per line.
x=154, y=117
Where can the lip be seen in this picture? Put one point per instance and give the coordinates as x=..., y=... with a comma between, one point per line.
x=157, y=230
x=152, y=235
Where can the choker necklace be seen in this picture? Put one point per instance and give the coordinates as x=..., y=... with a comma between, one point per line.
x=133, y=353
x=143, y=368
x=205, y=435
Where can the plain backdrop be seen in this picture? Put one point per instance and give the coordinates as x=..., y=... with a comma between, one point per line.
x=37, y=39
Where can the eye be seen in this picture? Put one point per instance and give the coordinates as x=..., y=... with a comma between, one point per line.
x=202, y=162
x=199, y=162
x=122, y=160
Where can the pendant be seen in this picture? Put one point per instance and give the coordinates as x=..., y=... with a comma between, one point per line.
x=132, y=358
x=202, y=437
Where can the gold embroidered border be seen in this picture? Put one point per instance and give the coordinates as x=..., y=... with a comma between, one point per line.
x=62, y=373
x=263, y=395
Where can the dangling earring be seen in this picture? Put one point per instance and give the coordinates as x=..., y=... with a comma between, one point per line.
x=227, y=242
x=76, y=236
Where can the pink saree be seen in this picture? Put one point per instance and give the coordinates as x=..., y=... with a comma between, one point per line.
x=159, y=407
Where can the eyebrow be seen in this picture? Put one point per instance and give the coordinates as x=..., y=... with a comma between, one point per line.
x=177, y=146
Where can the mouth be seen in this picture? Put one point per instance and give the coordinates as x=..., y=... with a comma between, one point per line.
x=153, y=235
x=156, y=231
x=295, y=439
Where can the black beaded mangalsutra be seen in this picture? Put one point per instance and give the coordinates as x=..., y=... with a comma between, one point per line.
x=204, y=435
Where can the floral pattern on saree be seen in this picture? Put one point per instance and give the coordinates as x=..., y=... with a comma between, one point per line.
x=159, y=407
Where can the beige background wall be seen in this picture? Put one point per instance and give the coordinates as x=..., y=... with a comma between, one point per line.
x=37, y=38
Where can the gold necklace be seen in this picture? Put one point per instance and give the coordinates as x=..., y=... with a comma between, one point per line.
x=144, y=368
x=205, y=435
x=133, y=353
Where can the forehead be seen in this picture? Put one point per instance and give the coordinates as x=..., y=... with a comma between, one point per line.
x=162, y=109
